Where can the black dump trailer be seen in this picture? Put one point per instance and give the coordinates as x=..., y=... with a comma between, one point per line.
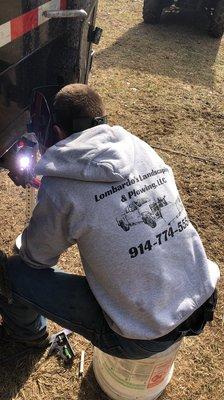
x=43, y=43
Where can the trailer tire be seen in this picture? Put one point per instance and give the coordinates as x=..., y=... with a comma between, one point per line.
x=216, y=28
x=148, y=220
x=124, y=226
x=152, y=10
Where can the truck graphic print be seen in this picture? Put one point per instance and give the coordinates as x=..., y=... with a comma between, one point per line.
x=144, y=211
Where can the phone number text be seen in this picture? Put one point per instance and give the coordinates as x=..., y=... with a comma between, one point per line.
x=159, y=239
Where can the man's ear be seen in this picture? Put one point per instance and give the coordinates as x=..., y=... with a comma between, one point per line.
x=59, y=132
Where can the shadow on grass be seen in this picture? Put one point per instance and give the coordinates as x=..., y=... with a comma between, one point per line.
x=14, y=372
x=90, y=389
x=179, y=47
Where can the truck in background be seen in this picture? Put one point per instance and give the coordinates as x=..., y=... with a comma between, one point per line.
x=152, y=11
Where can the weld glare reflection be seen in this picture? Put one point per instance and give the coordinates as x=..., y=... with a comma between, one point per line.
x=24, y=162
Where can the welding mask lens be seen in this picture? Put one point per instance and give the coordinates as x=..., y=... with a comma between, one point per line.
x=42, y=117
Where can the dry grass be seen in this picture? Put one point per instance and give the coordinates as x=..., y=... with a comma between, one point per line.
x=165, y=84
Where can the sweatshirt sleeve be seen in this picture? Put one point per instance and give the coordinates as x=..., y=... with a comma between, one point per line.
x=48, y=233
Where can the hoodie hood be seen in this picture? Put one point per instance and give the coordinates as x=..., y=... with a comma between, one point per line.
x=101, y=154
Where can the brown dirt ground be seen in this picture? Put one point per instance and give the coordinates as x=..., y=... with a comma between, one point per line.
x=165, y=84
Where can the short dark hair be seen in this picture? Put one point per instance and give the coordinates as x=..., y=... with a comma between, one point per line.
x=76, y=101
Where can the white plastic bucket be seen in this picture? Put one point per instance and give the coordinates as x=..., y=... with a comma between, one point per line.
x=143, y=379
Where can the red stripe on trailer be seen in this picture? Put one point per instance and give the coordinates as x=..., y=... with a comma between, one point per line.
x=63, y=4
x=24, y=23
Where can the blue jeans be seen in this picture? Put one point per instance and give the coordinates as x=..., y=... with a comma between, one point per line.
x=67, y=300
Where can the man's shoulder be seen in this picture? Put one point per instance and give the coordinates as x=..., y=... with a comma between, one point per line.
x=56, y=187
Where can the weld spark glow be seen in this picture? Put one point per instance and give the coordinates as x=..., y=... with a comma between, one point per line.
x=24, y=162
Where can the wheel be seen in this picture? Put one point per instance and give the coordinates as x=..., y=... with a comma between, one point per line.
x=216, y=28
x=147, y=219
x=124, y=226
x=152, y=10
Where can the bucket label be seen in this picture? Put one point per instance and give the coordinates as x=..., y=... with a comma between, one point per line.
x=159, y=373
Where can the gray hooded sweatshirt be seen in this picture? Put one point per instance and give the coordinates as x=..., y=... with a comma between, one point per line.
x=111, y=193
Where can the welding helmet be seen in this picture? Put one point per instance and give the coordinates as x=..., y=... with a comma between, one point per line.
x=41, y=116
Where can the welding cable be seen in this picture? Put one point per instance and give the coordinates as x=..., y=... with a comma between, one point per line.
x=180, y=153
